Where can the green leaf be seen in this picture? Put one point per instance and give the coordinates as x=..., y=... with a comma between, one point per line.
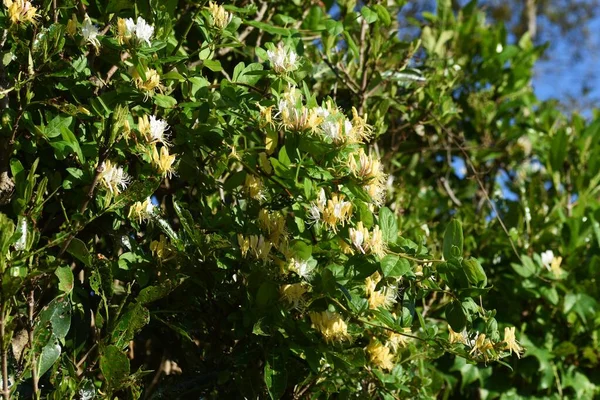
x=50, y=354
x=56, y=125
x=275, y=375
x=164, y=101
x=272, y=29
x=453, y=240
x=65, y=279
x=474, y=271
x=394, y=266
x=129, y=324
x=213, y=65
x=153, y=293
x=388, y=225
x=456, y=316
x=79, y=250
x=114, y=365
x=58, y=314
x=369, y=15
x=527, y=269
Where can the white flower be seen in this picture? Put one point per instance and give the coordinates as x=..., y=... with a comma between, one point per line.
x=302, y=268
x=113, y=177
x=283, y=60
x=158, y=129
x=140, y=28
x=314, y=214
x=547, y=258
x=357, y=237
x=331, y=130
x=90, y=32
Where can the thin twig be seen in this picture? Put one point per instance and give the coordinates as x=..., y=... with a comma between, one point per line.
x=5, y=390
x=259, y=16
x=481, y=186
x=185, y=33
x=34, y=372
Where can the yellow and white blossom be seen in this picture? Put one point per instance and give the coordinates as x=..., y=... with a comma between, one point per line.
x=149, y=85
x=113, y=177
x=282, y=59
x=380, y=355
x=384, y=297
x=161, y=248
x=154, y=130
x=294, y=294
x=337, y=212
x=142, y=210
x=330, y=325
x=139, y=28
x=21, y=11
x=510, y=341
x=90, y=32
x=254, y=187
x=220, y=17
x=482, y=346
x=368, y=242
x=163, y=161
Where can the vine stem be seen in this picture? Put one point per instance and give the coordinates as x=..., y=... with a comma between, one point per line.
x=186, y=32
x=5, y=390
x=34, y=372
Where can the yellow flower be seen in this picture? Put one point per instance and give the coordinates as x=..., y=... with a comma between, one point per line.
x=482, y=346
x=113, y=177
x=150, y=85
x=360, y=129
x=294, y=294
x=72, y=25
x=368, y=242
x=371, y=283
x=454, y=337
x=123, y=33
x=336, y=212
x=510, y=341
x=397, y=340
x=142, y=211
x=330, y=325
x=254, y=187
x=266, y=117
x=274, y=225
x=380, y=355
x=21, y=11
x=555, y=267
x=260, y=247
x=345, y=247
x=163, y=161
x=160, y=249
x=220, y=17
x=264, y=163
x=376, y=243
x=244, y=244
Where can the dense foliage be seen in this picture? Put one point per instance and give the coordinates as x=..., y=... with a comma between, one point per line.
x=267, y=200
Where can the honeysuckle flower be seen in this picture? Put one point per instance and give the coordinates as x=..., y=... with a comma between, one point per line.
x=139, y=28
x=254, y=187
x=482, y=346
x=163, y=161
x=384, y=297
x=357, y=236
x=376, y=243
x=294, y=115
x=376, y=192
x=266, y=115
x=274, y=225
x=282, y=59
x=264, y=163
x=244, y=244
x=154, y=130
x=547, y=257
x=294, y=294
x=90, y=32
x=302, y=268
x=142, y=210
x=113, y=177
x=360, y=131
x=220, y=17
x=72, y=25
x=380, y=355
x=338, y=211
x=150, y=85
x=510, y=341
x=455, y=337
x=21, y=11
x=161, y=248
x=330, y=325
x=397, y=340
x=260, y=247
